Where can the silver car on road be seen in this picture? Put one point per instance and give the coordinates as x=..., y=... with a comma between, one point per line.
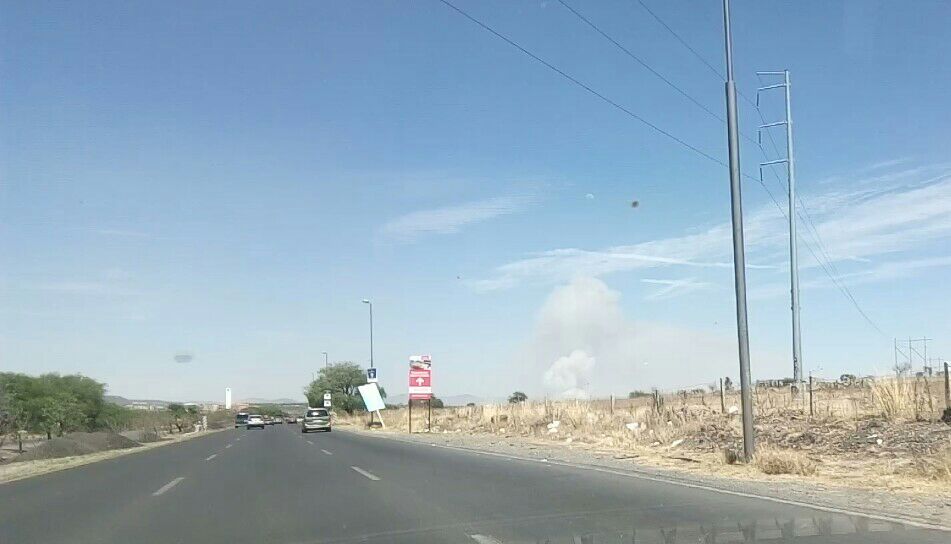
x=316, y=419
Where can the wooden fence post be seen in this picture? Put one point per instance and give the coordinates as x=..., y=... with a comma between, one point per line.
x=722, y=398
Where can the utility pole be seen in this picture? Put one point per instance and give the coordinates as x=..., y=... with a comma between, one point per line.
x=739, y=256
x=326, y=363
x=368, y=302
x=895, y=349
x=793, y=232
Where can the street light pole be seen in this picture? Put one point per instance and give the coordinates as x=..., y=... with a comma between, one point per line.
x=739, y=257
x=367, y=301
x=326, y=363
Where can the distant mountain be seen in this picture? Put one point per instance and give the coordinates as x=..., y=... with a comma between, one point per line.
x=451, y=400
x=254, y=400
x=122, y=401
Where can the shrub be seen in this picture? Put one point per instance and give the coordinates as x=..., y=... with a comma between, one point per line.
x=772, y=460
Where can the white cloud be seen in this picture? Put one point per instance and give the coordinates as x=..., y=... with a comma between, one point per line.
x=583, y=340
x=871, y=274
x=570, y=374
x=451, y=219
x=874, y=217
x=673, y=288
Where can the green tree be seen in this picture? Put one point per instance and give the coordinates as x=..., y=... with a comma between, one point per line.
x=183, y=416
x=341, y=380
x=114, y=417
x=517, y=397
x=87, y=395
x=48, y=413
x=50, y=403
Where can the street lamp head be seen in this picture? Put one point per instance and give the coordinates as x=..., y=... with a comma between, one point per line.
x=323, y=353
x=366, y=301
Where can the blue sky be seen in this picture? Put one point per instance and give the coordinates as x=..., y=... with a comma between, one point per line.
x=231, y=179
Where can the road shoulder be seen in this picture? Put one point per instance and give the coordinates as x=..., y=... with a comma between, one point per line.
x=931, y=507
x=27, y=469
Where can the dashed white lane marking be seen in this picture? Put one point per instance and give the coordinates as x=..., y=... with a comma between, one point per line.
x=210, y=457
x=365, y=473
x=327, y=452
x=485, y=539
x=309, y=442
x=168, y=486
x=228, y=446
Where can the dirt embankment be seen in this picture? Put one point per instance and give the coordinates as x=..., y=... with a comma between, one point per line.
x=77, y=444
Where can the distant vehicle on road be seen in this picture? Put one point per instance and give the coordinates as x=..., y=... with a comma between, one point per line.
x=241, y=419
x=268, y=420
x=316, y=419
x=255, y=421
x=279, y=420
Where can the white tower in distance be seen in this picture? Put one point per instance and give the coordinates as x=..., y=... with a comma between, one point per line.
x=227, y=398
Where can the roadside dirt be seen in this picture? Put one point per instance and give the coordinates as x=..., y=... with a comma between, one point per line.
x=13, y=471
x=889, y=495
x=77, y=444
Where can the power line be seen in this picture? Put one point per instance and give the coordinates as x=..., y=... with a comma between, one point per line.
x=660, y=76
x=682, y=41
x=814, y=233
x=657, y=129
x=640, y=61
x=584, y=86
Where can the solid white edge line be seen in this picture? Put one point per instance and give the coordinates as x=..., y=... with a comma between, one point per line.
x=168, y=486
x=365, y=473
x=210, y=457
x=228, y=446
x=661, y=479
x=326, y=452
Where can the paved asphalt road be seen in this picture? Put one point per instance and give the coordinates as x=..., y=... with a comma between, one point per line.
x=279, y=486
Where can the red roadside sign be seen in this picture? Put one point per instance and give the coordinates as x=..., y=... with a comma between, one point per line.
x=420, y=383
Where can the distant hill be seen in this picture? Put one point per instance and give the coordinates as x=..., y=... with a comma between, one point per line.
x=255, y=400
x=451, y=400
x=122, y=401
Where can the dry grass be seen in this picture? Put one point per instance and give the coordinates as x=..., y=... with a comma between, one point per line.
x=771, y=460
x=893, y=396
x=936, y=467
x=873, y=433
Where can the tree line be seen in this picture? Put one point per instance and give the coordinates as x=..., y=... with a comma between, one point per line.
x=52, y=404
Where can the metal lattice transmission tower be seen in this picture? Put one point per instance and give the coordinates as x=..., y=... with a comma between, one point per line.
x=791, y=185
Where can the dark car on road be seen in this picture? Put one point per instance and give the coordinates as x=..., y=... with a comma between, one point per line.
x=240, y=420
x=316, y=419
